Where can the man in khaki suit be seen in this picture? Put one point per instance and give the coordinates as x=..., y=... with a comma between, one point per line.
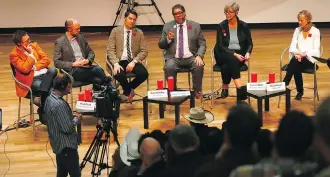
x=126, y=50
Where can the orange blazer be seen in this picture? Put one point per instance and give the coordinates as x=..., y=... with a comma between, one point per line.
x=22, y=66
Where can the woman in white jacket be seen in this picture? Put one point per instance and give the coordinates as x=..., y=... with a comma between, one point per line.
x=304, y=45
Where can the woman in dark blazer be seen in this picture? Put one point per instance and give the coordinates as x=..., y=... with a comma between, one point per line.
x=233, y=47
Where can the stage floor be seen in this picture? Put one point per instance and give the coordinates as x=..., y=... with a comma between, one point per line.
x=30, y=158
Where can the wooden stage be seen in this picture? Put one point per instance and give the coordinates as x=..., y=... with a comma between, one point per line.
x=30, y=158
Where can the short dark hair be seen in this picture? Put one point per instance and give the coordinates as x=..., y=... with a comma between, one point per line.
x=322, y=121
x=294, y=135
x=242, y=126
x=61, y=81
x=18, y=35
x=178, y=6
x=129, y=11
x=264, y=143
x=183, y=137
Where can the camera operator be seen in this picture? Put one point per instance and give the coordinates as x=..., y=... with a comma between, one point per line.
x=61, y=128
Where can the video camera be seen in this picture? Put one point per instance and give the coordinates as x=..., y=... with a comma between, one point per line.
x=108, y=103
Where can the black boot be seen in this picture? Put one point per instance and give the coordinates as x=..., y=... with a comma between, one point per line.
x=241, y=93
x=224, y=93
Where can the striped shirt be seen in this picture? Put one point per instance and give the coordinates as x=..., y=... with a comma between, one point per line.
x=60, y=124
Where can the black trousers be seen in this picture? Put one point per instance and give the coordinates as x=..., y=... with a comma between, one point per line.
x=295, y=69
x=230, y=66
x=42, y=84
x=141, y=75
x=68, y=163
x=92, y=74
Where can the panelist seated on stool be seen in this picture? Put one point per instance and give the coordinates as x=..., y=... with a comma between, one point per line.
x=232, y=49
x=74, y=55
x=30, y=67
x=126, y=49
x=184, y=46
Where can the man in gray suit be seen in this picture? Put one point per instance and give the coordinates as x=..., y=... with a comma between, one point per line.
x=184, y=46
x=73, y=54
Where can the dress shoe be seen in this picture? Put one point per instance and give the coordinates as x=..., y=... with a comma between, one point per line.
x=198, y=95
x=130, y=96
x=299, y=96
x=224, y=93
x=241, y=93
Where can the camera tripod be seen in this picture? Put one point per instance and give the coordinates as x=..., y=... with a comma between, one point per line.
x=99, y=144
x=130, y=6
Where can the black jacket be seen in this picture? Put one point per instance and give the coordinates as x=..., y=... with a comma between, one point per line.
x=223, y=38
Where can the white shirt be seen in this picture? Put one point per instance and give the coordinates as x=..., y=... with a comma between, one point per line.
x=310, y=45
x=124, y=55
x=186, y=51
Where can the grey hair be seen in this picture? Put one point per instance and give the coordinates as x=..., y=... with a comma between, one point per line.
x=232, y=5
x=183, y=137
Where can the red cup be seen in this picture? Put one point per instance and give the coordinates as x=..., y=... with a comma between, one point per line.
x=88, y=95
x=81, y=96
x=271, y=77
x=254, y=77
x=170, y=82
x=160, y=84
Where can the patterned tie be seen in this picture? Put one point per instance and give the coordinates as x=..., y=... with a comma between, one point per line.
x=129, y=56
x=181, y=52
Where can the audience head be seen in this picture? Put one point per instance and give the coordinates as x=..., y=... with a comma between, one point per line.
x=183, y=138
x=264, y=143
x=62, y=84
x=231, y=10
x=21, y=38
x=294, y=135
x=157, y=135
x=322, y=122
x=305, y=20
x=214, y=140
x=130, y=19
x=72, y=27
x=242, y=126
x=129, y=150
x=179, y=13
x=150, y=151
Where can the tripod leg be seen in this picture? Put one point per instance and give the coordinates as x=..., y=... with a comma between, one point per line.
x=90, y=151
x=158, y=11
x=118, y=11
x=103, y=165
x=114, y=132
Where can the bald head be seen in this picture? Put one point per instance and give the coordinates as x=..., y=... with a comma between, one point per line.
x=72, y=26
x=150, y=151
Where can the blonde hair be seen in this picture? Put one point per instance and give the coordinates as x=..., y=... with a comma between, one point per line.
x=308, y=16
x=232, y=5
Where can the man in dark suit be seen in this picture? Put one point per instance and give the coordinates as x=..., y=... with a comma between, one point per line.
x=74, y=55
x=184, y=46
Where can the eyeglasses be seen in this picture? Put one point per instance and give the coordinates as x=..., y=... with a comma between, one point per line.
x=228, y=12
x=178, y=13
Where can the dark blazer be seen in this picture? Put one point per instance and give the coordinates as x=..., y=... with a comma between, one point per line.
x=196, y=40
x=63, y=53
x=223, y=38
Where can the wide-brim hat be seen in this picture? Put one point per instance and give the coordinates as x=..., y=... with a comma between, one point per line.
x=200, y=116
x=129, y=148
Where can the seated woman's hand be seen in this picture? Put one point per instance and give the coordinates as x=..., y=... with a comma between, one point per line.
x=298, y=57
x=239, y=57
